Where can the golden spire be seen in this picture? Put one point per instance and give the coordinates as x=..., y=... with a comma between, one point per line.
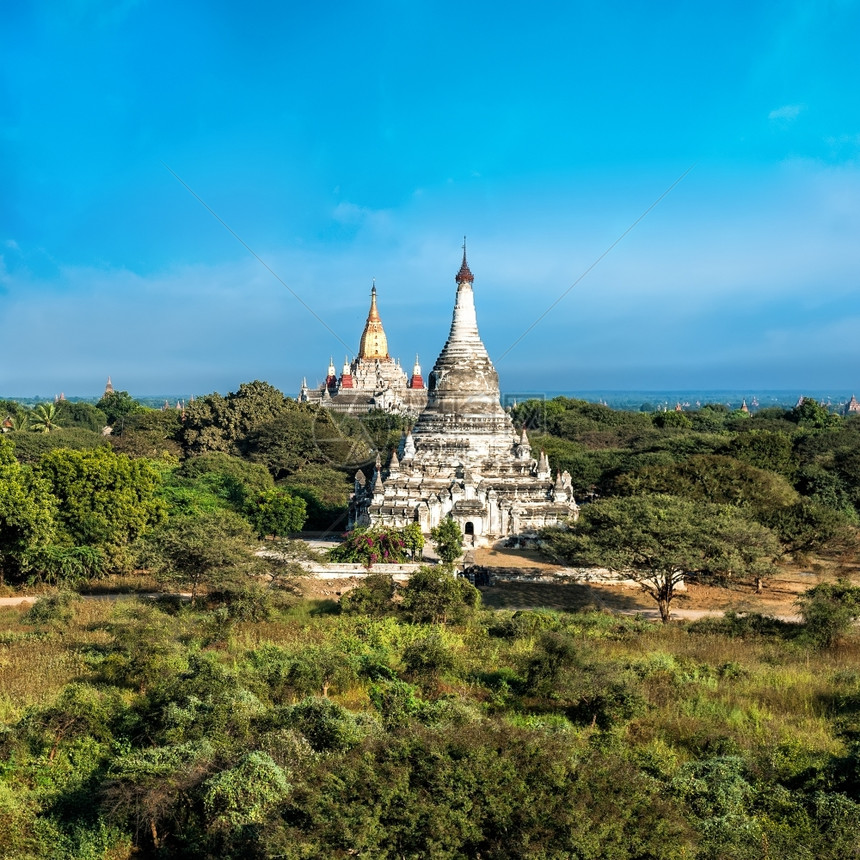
x=373, y=316
x=374, y=344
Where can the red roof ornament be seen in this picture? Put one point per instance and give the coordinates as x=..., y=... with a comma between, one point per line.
x=465, y=273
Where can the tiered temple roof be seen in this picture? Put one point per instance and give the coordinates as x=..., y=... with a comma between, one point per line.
x=372, y=380
x=463, y=458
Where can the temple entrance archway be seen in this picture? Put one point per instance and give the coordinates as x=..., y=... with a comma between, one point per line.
x=469, y=529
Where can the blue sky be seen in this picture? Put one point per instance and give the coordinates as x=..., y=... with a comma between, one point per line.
x=345, y=142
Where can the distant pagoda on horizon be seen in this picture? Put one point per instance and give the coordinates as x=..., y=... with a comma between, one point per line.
x=372, y=380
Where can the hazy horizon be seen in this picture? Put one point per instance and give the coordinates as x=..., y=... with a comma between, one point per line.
x=618, y=399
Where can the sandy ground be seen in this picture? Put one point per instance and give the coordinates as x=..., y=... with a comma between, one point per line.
x=777, y=599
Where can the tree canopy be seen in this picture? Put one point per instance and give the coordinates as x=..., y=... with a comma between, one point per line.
x=117, y=406
x=203, y=550
x=28, y=512
x=104, y=499
x=222, y=423
x=659, y=540
x=447, y=539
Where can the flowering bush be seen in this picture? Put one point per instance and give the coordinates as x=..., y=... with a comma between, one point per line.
x=371, y=546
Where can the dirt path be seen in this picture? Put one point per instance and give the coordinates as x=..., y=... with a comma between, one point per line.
x=779, y=598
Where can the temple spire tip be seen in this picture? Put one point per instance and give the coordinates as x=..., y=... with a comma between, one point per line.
x=465, y=273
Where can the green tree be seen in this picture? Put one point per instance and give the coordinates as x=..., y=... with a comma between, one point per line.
x=659, y=540
x=829, y=609
x=219, y=423
x=435, y=595
x=31, y=447
x=212, y=481
x=117, y=406
x=152, y=433
x=413, y=540
x=765, y=449
x=447, y=540
x=81, y=414
x=44, y=418
x=711, y=418
x=811, y=414
x=714, y=478
x=27, y=513
x=303, y=435
x=277, y=513
x=105, y=499
x=538, y=414
x=808, y=526
x=206, y=550
x=326, y=493
x=677, y=420
x=741, y=549
x=372, y=597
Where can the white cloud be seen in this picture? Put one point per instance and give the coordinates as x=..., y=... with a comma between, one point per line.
x=361, y=217
x=786, y=112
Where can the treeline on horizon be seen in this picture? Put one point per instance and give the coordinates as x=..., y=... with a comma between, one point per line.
x=258, y=461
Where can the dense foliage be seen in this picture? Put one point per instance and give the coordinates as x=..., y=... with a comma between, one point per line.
x=104, y=499
x=75, y=500
x=409, y=721
x=792, y=475
x=419, y=725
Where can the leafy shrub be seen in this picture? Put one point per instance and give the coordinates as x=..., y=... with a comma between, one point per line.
x=606, y=705
x=326, y=725
x=244, y=794
x=829, y=609
x=372, y=597
x=312, y=670
x=555, y=651
x=742, y=626
x=427, y=658
x=396, y=701
x=69, y=565
x=247, y=601
x=524, y=623
x=53, y=609
x=434, y=595
x=276, y=512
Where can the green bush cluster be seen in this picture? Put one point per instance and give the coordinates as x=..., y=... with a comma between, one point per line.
x=421, y=728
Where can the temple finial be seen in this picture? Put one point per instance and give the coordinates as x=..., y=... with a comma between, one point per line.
x=374, y=344
x=465, y=273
